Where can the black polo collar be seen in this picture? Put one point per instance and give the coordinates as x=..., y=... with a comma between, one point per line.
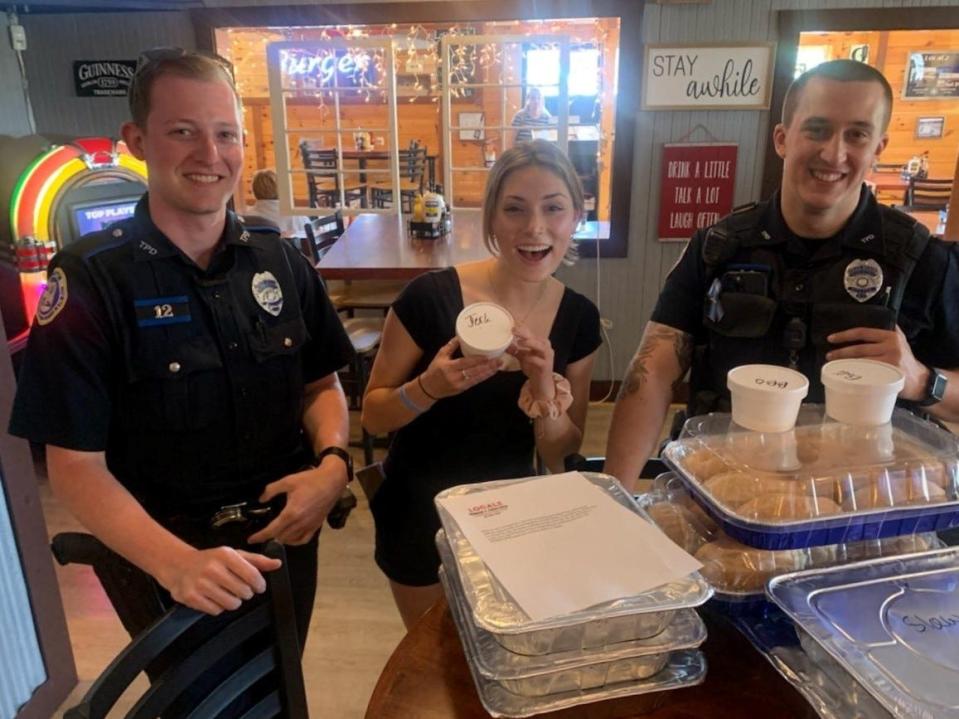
x=151, y=244
x=862, y=232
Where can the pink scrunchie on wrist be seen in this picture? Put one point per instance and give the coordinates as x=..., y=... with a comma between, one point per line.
x=551, y=408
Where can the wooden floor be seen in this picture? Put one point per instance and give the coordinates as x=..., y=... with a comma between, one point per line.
x=355, y=624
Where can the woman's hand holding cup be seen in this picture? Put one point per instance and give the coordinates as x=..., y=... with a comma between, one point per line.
x=447, y=376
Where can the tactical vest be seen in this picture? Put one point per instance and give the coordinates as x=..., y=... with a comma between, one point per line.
x=759, y=310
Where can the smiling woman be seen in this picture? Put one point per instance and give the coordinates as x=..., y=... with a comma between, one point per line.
x=464, y=419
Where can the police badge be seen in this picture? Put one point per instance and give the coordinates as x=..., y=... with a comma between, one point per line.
x=267, y=292
x=863, y=279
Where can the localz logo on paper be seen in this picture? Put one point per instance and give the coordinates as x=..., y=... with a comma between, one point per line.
x=103, y=78
x=489, y=509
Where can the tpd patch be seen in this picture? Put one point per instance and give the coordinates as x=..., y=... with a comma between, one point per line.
x=267, y=292
x=863, y=279
x=54, y=297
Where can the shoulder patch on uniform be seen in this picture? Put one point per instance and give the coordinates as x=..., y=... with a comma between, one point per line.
x=54, y=297
x=267, y=292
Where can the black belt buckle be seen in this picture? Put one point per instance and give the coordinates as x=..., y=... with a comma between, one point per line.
x=240, y=512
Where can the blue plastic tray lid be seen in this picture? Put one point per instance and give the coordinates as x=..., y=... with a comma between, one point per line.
x=736, y=569
x=821, y=468
x=893, y=623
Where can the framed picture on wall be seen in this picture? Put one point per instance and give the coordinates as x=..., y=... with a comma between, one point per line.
x=930, y=127
x=931, y=76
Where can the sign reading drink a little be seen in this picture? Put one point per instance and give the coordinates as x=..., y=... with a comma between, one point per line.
x=696, y=187
x=723, y=77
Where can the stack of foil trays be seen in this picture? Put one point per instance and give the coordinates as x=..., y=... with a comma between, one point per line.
x=639, y=645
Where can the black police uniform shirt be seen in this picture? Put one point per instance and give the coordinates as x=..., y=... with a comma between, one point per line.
x=928, y=314
x=190, y=380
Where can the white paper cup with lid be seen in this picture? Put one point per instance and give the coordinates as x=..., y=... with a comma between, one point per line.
x=484, y=329
x=766, y=398
x=860, y=391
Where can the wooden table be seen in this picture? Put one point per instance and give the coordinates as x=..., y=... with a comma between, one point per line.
x=890, y=187
x=427, y=677
x=379, y=247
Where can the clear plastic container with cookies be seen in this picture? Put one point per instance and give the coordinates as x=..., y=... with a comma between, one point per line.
x=736, y=570
x=822, y=482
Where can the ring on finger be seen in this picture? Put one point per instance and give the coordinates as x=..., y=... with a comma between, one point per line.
x=466, y=375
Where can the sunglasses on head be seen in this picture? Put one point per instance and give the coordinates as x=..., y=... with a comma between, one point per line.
x=159, y=54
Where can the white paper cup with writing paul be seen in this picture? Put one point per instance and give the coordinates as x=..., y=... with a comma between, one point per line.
x=484, y=329
x=766, y=398
x=861, y=392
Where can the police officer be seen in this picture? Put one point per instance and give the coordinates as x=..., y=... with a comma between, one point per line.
x=181, y=362
x=819, y=272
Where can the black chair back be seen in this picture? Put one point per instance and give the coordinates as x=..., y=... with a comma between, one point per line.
x=266, y=674
x=321, y=234
x=928, y=194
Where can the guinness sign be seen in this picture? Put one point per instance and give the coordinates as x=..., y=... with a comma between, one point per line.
x=103, y=78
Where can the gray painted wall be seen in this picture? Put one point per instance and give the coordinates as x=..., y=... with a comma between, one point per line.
x=626, y=288
x=14, y=113
x=55, y=41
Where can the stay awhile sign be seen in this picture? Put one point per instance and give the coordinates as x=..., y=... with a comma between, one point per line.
x=713, y=77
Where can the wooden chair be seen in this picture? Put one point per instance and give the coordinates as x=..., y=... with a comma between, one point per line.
x=270, y=681
x=321, y=234
x=323, y=180
x=928, y=194
x=412, y=180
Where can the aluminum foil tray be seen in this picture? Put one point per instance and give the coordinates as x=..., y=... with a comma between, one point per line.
x=577, y=669
x=821, y=483
x=892, y=623
x=684, y=668
x=494, y=610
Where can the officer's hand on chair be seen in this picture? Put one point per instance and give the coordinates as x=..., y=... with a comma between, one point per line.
x=889, y=346
x=310, y=495
x=217, y=580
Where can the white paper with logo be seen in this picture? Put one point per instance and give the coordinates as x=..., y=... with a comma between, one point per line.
x=559, y=544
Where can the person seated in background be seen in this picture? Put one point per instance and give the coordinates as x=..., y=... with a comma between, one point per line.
x=819, y=272
x=267, y=206
x=463, y=419
x=534, y=112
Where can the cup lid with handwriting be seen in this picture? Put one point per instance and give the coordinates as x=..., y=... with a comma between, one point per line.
x=766, y=398
x=861, y=392
x=484, y=328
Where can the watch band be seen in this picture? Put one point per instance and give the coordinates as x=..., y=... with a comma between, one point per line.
x=342, y=454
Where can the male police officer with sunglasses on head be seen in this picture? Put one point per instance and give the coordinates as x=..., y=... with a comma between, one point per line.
x=181, y=369
x=819, y=272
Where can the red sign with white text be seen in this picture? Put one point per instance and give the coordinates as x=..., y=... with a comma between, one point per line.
x=696, y=184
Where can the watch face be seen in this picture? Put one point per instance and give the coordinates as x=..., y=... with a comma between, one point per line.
x=938, y=389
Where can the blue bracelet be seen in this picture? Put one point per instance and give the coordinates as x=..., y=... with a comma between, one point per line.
x=409, y=403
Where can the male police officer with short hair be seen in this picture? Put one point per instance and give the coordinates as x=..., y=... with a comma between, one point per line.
x=182, y=362
x=819, y=272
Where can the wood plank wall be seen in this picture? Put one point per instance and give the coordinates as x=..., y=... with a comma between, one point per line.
x=889, y=53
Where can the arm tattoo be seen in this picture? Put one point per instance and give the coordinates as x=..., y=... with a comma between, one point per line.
x=638, y=372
